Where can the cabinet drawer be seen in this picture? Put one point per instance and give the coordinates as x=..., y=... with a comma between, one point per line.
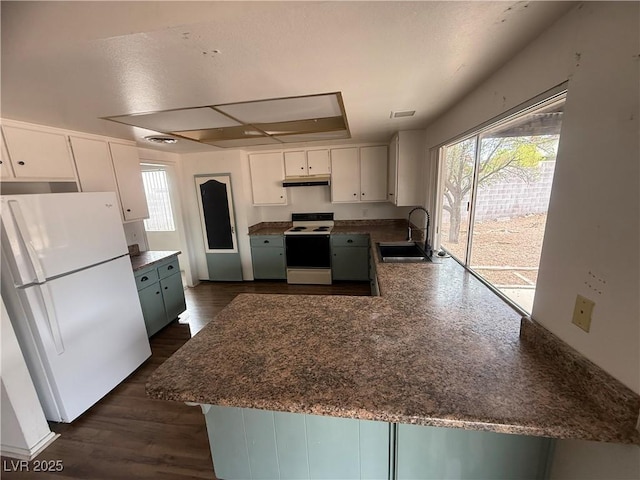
x=168, y=269
x=146, y=278
x=349, y=240
x=267, y=241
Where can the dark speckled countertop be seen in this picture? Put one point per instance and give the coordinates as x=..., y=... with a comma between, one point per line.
x=436, y=348
x=148, y=258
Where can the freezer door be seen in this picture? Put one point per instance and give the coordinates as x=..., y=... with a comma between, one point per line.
x=90, y=335
x=53, y=234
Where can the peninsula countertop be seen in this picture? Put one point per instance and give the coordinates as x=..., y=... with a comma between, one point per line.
x=436, y=348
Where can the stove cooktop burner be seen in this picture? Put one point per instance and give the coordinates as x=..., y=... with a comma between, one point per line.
x=321, y=229
x=298, y=229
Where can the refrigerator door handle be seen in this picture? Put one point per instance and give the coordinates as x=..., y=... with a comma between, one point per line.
x=52, y=319
x=16, y=213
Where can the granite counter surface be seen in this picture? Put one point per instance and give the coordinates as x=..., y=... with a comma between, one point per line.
x=148, y=258
x=436, y=348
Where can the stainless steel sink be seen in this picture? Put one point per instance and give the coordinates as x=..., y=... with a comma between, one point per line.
x=402, y=252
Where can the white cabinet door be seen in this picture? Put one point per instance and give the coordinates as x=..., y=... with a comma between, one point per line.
x=5, y=165
x=94, y=166
x=38, y=155
x=126, y=166
x=393, y=171
x=345, y=175
x=267, y=173
x=318, y=162
x=373, y=174
x=409, y=181
x=295, y=164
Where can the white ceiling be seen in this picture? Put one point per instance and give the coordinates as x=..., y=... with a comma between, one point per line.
x=67, y=64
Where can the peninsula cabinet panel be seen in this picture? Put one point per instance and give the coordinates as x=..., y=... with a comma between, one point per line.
x=250, y=444
x=432, y=452
x=126, y=165
x=38, y=155
x=267, y=174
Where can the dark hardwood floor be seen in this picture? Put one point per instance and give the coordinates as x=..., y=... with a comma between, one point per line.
x=129, y=436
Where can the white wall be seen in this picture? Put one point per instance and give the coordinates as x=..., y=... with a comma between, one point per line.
x=592, y=226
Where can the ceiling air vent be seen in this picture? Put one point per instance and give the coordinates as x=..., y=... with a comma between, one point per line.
x=403, y=113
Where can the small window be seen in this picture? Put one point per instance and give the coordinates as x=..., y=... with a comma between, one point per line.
x=156, y=188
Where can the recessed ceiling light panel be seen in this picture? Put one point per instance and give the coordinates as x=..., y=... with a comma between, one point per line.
x=260, y=122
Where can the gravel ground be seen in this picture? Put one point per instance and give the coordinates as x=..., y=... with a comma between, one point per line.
x=512, y=242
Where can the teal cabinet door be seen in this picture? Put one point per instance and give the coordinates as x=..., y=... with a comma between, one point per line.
x=152, y=308
x=267, y=253
x=173, y=296
x=350, y=257
x=268, y=263
x=425, y=453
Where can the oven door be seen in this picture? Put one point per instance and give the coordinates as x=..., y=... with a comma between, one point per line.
x=308, y=251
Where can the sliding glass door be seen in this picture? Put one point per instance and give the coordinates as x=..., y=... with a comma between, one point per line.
x=496, y=187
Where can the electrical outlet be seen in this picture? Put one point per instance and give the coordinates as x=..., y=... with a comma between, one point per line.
x=582, y=313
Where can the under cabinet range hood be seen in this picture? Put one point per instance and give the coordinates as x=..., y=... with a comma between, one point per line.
x=307, y=181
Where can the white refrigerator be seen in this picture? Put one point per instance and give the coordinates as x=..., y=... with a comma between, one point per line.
x=69, y=288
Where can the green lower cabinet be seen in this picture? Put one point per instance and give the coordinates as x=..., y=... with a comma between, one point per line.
x=267, y=253
x=161, y=294
x=250, y=444
x=152, y=308
x=173, y=296
x=350, y=257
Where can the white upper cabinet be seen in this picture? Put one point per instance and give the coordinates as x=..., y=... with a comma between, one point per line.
x=267, y=173
x=94, y=165
x=373, y=174
x=38, y=155
x=359, y=174
x=95, y=169
x=311, y=162
x=406, y=185
x=295, y=164
x=5, y=165
x=126, y=165
x=345, y=175
x=318, y=162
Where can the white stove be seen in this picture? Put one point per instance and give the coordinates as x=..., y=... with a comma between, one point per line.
x=308, y=248
x=311, y=227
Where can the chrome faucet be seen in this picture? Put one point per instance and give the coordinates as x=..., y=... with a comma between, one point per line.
x=427, y=247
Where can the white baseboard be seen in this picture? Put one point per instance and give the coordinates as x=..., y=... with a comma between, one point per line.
x=31, y=453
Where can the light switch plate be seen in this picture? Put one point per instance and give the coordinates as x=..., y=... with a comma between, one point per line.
x=582, y=313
